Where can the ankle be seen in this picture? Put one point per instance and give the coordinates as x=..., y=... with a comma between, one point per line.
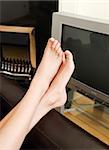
x=38, y=86
x=43, y=77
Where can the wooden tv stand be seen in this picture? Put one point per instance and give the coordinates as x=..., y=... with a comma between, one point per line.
x=93, y=118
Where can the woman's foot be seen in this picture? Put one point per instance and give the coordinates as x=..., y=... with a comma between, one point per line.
x=50, y=63
x=56, y=95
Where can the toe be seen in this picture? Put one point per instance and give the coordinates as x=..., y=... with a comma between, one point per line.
x=50, y=42
x=60, y=53
x=63, y=57
x=68, y=55
x=54, y=44
x=51, y=39
x=57, y=48
x=69, y=60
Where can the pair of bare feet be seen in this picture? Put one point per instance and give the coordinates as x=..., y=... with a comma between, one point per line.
x=55, y=69
x=53, y=74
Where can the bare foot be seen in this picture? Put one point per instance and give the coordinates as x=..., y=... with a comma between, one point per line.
x=57, y=92
x=50, y=63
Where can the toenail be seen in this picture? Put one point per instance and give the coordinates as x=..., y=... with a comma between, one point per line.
x=52, y=39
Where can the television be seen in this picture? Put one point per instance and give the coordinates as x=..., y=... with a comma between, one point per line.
x=88, y=40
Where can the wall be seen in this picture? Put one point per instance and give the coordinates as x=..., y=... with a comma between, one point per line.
x=94, y=8
x=9, y=10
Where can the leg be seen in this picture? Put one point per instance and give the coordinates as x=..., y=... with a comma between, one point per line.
x=52, y=59
x=20, y=117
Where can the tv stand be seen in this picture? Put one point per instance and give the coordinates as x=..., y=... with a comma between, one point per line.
x=90, y=115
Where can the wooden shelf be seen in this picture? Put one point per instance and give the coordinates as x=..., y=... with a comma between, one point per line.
x=17, y=29
x=90, y=117
x=27, y=30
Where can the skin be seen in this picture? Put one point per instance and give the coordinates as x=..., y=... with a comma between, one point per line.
x=56, y=94
x=47, y=91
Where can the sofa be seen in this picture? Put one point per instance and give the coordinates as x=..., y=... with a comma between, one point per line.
x=53, y=131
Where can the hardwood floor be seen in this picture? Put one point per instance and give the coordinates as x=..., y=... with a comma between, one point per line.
x=90, y=116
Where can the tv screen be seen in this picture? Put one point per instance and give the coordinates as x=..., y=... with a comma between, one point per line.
x=91, y=56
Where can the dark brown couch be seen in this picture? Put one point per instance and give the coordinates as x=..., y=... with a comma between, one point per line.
x=54, y=131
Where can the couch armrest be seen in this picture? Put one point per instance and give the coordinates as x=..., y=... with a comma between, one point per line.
x=53, y=131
